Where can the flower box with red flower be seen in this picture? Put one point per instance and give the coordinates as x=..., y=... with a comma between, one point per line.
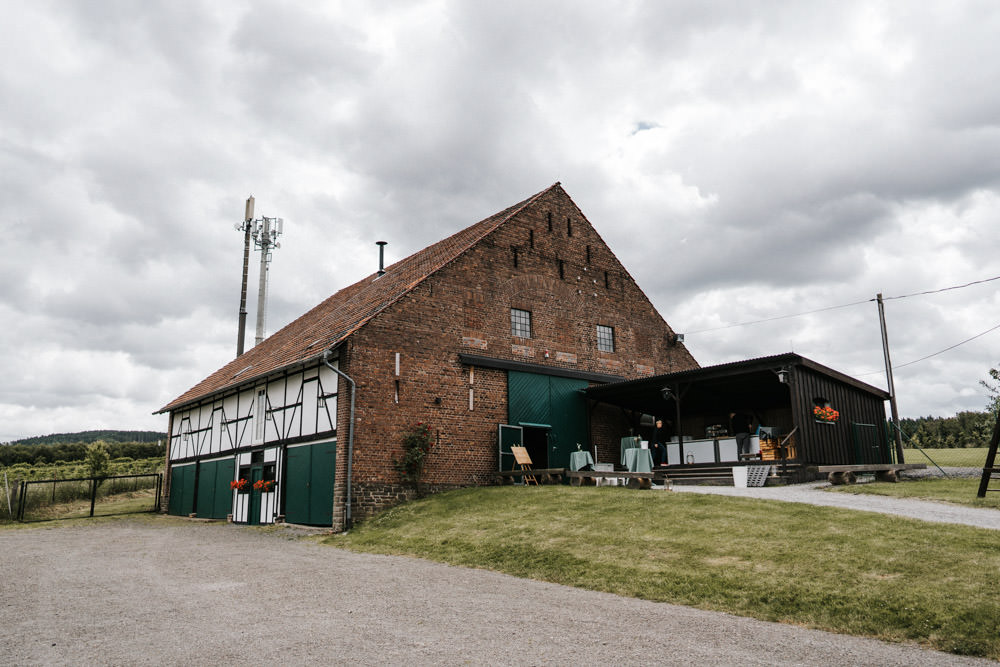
x=264, y=485
x=240, y=486
x=825, y=415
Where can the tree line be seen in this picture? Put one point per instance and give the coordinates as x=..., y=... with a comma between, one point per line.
x=88, y=437
x=965, y=429
x=77, y=451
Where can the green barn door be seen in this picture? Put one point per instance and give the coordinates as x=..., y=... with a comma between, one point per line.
x=553, y=402
x=215, y=496
x=309, y=473
x=182, y=490
x=225, y=473
x=568, y=415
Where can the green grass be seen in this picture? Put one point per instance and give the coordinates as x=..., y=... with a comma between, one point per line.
x=970, y=457
x=953, y=490
x=848, y=572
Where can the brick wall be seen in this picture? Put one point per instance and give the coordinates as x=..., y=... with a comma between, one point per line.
x=547, y=260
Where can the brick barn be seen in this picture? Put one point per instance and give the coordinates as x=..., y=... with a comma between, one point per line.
x=502, y=323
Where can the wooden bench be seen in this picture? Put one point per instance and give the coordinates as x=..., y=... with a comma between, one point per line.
x=544, y=475
x=884, y=472
x=636, y=480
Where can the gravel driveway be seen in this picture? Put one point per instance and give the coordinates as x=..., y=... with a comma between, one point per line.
x=164, y=591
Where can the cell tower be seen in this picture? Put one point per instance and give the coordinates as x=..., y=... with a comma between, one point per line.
x=264, y=232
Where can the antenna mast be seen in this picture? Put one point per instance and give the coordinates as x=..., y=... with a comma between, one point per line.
x=264, y=232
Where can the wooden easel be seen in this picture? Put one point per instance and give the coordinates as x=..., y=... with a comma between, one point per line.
x=522, y=459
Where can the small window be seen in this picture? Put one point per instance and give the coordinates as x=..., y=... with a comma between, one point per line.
x=260, y=416
x=520, y=323
x=605, y=338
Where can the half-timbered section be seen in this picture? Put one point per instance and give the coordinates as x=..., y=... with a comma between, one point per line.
x=227, y=453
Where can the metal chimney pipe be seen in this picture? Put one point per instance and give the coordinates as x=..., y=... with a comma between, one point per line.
x=381, y=256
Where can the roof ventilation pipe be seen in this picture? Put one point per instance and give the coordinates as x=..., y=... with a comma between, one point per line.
x=348, y=521
x=381, y=256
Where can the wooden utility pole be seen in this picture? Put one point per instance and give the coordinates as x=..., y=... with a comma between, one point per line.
x=888, y=375
x=245, y=227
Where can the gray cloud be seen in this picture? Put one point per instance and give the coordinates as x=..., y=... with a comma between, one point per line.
x=767, y=160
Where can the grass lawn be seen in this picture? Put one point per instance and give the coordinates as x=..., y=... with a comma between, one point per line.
x=955, y=490
x=848, y=572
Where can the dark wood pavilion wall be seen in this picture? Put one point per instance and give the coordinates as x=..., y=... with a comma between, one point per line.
x=833, y=444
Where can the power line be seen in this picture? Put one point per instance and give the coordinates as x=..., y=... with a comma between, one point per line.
x=943, y=289
x=910, y=363
x=780, y=317
x=843, y=305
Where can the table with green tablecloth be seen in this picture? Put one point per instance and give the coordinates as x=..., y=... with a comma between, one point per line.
x=637, y=459
x=580, y=459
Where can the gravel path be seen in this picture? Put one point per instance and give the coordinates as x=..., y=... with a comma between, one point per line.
x=161, y=591
x=813, y=494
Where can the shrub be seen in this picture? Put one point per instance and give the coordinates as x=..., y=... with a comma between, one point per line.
x=416, y=445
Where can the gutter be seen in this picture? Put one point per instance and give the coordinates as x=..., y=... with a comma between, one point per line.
x=348, y=521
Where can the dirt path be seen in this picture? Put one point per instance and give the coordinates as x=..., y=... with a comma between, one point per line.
x=163, y=591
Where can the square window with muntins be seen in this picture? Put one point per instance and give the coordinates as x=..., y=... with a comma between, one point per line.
x=520, y=323
x=605, y=338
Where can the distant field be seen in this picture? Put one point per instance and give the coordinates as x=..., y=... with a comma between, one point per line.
x=971, y=457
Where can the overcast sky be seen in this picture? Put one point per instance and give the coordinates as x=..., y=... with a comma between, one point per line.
x=744, y=160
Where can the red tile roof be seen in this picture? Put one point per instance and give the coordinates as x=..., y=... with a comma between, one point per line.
x=339, y=316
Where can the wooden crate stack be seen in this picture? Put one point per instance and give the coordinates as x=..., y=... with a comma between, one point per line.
x=770, y=448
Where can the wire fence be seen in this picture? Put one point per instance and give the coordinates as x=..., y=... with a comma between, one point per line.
x=42, y=500
x=945, y=462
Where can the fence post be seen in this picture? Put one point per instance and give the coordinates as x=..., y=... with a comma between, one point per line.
x=20, y=499
x=159, y=488
x=93, y=494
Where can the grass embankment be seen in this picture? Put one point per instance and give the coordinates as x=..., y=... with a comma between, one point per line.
x=848, y=572
x=961, y=491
